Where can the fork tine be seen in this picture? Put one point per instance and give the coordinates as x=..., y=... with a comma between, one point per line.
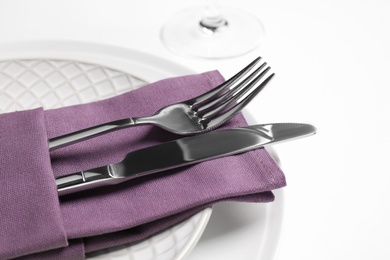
x=211, y=93
x=215, y=122
x=228, y=94
x=242, y=92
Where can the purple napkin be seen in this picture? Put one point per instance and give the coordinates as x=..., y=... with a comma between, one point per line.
x=39, y=225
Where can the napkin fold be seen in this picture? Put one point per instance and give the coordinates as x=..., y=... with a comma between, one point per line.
x=30, y=214
x=73, y=225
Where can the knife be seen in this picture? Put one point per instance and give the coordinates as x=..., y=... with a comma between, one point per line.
x=182, y=152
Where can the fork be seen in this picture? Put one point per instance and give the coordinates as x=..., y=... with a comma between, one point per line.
x=196, y=115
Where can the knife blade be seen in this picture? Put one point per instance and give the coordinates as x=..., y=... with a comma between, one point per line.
x=182, y=152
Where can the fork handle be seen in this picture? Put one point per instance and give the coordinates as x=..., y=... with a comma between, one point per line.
x=84, y=134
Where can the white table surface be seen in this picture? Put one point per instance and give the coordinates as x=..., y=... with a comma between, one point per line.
x=332, y=60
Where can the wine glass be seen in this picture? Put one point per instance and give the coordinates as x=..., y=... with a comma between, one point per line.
x=212, y=32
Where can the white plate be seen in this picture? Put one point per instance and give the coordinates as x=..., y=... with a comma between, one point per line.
x=56, y=74
x=235, y=230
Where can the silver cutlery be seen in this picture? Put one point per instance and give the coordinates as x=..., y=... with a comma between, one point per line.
x=196, y=115
x=181, y=152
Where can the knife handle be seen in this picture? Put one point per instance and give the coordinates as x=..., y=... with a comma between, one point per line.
x=83, y=180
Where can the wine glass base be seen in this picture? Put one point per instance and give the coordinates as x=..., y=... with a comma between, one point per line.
x=183, y=34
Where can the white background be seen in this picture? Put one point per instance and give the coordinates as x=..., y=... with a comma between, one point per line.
x=332, y=64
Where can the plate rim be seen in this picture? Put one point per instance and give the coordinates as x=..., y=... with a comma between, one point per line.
x=81, y=51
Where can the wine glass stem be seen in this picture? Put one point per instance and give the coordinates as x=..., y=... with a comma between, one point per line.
x=213, y=19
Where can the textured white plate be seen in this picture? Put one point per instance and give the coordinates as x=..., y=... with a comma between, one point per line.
x=57, y=74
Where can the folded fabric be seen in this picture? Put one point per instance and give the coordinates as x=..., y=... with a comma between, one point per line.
x=36, y=224
x=26, y=187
